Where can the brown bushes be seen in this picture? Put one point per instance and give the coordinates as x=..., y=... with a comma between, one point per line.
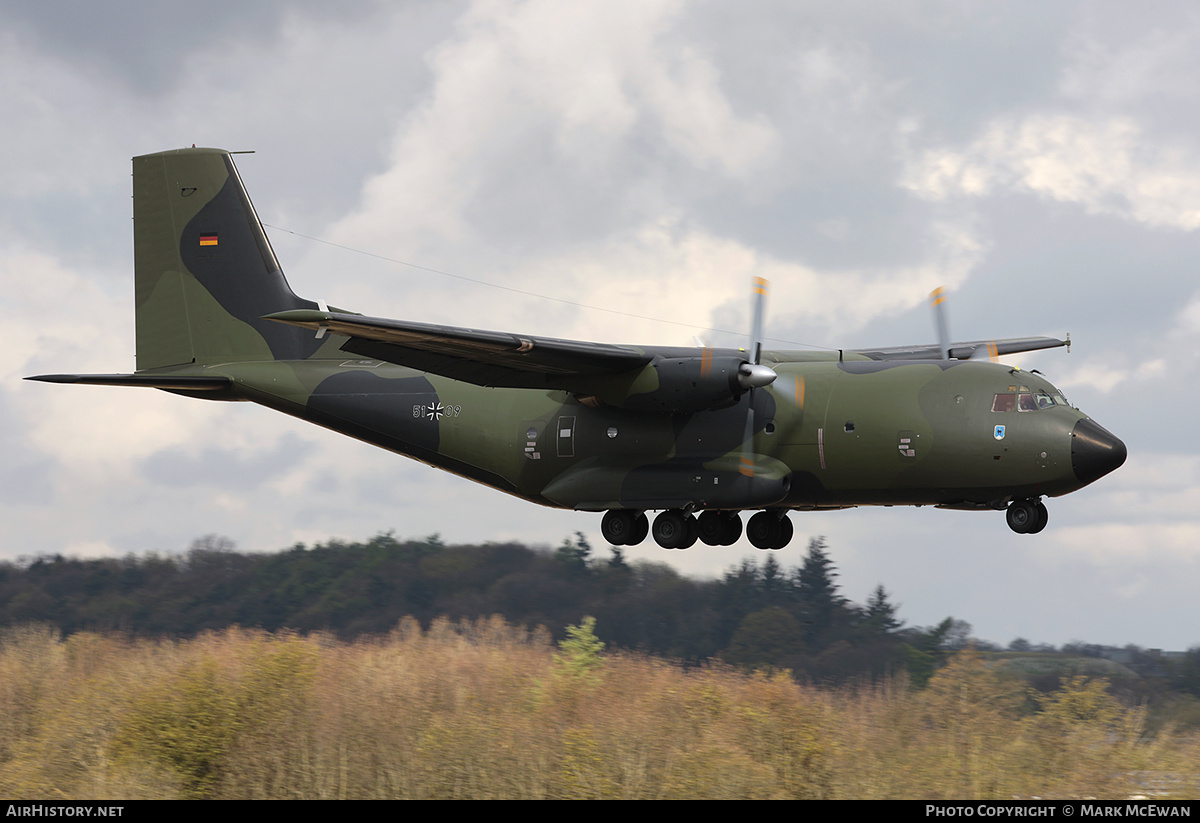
x=488, y=710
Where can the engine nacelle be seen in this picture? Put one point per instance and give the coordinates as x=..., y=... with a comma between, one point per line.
x=680, y=385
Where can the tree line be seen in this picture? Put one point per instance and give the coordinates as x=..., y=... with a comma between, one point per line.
x=758, y=614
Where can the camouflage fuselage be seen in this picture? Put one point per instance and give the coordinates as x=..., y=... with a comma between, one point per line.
x=835, y=432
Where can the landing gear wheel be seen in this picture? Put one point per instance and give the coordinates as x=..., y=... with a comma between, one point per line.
x=763, y=530
x=785, y=532
x=770, y=530
x=690, y=532
x=1043, y=517
x=674, y=530
x=719, y=528
x=733, y=529
x=641, y=528
x=617, y=526
x=710, y=526
x=1022, y=516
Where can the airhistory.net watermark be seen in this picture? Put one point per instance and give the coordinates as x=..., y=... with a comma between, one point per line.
x=47, y=810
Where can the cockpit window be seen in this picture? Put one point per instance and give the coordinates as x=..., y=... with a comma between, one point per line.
x=1025, y=401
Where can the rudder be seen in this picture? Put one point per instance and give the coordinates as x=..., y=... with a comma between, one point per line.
x=204, y=270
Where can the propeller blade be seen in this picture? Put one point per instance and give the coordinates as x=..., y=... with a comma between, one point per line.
x=747, y=459
x=986, y=352
x=753, y=375
x=756, y=324
x=791, y=388
x=937, y=299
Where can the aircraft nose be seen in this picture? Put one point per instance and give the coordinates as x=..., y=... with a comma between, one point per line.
x=1095, y=451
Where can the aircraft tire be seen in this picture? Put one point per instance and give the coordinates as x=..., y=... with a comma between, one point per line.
x=690, y=532
x=1043, y=517
x=732, y=529
x=669, y=529
x=617, y=526
x=710, y=526
x=641, y=528
x=785, y=533
x=763, y=530
x=1022, y=516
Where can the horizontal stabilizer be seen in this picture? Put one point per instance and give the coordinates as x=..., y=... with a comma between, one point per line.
x=181, y=382
x=963, y=351
x=485, y=358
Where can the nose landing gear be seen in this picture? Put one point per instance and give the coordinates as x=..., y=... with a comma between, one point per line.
x=1028, y=516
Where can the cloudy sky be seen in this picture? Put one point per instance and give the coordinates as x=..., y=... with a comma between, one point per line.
x=641, y=160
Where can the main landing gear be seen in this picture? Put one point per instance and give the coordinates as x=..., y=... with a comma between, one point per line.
x=1028, y=516
x=622, y=527
x=769, y=529
x=676, y=529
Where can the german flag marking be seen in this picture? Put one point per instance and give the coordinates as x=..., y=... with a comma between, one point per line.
x=208, y=240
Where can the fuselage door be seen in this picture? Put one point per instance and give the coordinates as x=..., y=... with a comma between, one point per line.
x=566, y=436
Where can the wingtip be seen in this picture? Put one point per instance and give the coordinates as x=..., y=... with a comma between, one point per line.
x=299, y=316
x=53, y=378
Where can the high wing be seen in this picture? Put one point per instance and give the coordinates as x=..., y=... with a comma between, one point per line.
x=964, y=351
x=485, y=358
x=502, y=359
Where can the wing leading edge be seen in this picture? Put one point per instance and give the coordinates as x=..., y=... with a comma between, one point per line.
x=964, y=351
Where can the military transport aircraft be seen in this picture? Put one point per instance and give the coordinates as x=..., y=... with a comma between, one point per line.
x=699, y=434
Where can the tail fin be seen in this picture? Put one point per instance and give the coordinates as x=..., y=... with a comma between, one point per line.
x=204, y=270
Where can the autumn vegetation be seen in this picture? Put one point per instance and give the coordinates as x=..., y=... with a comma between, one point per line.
x=606, y=680
x=485, y=709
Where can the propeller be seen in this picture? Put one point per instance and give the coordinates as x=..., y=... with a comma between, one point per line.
x=986, y=352
x=791, y=388
x=937, y=299
x=754, y=375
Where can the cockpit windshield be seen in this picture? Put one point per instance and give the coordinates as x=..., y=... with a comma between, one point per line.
x=1026, y=401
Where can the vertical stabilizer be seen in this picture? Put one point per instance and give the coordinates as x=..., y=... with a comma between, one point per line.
x=204, y=270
